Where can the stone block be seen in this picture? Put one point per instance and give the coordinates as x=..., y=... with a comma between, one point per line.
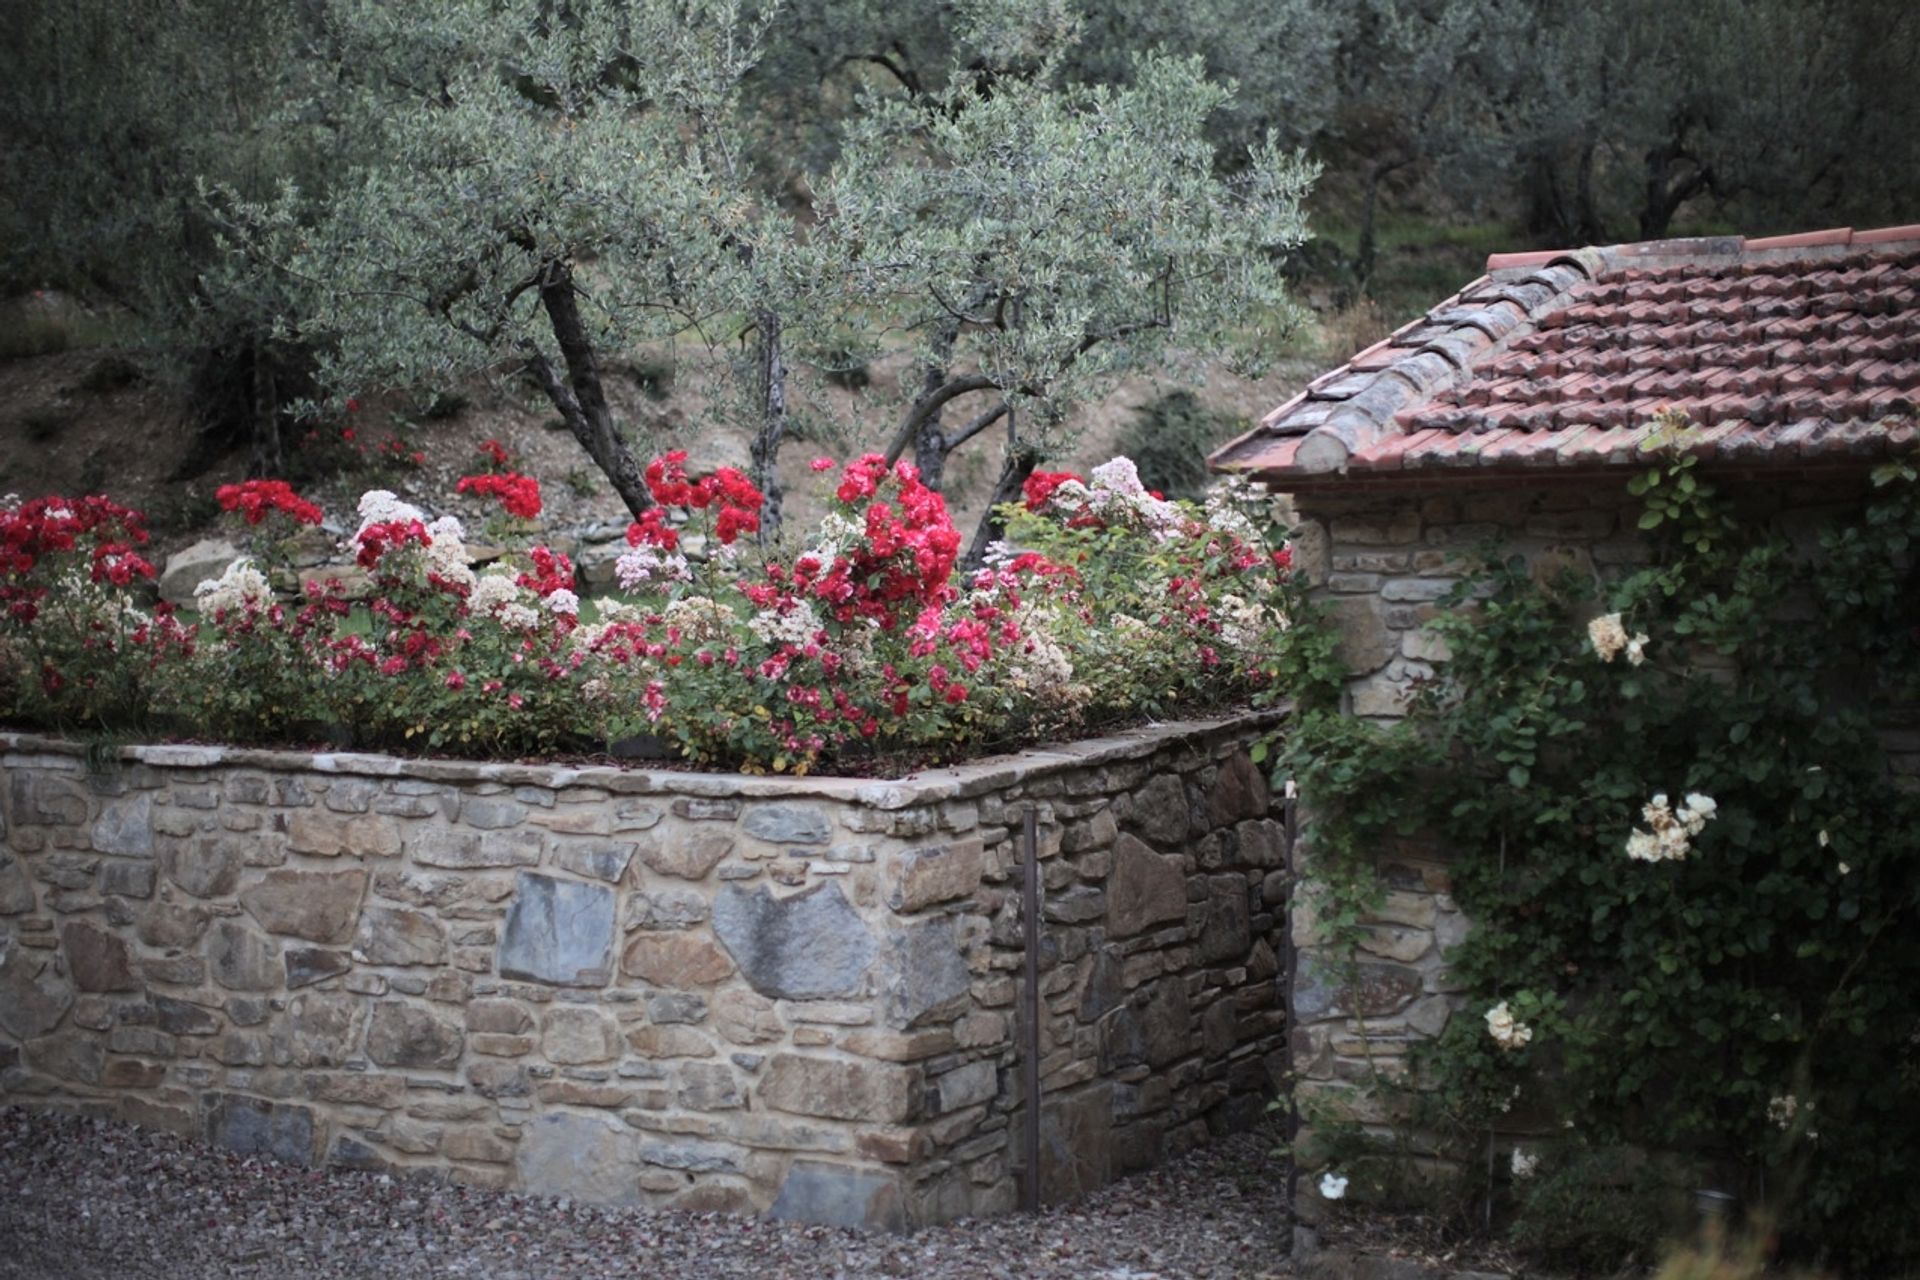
x=745, y=1017
x=1160, y=811
x=170, y=922
x=665, y=908
x=676, y=960
x=308, y=965
x=838, y=1089
x=677, y=1006
x=468, y=850
x=1239, y=791
x=34, y=994
x=923, y=976
x=397, y=936
x=1145, y=888
x=582, y=1157
x=241, y=959
x=330, y=835
x=787, y=824
x=96, y=959
x=1366, y=644
x=205, y=866
x=709, y=1086
x=126, y=879
x=318, y=1031
x=809, y=946
x=670, y=1041
x=491, y=813
x=917, y=878
x=256, y=1127
x=1226, y=932
x=125, y=826
x=16, y=886
x=967, y=1086
x=573, y=1035
x=403, y=1034
x=559, y=932
x=682, y=853
x=840, y=1196
x=595, y=859
x=319, y=906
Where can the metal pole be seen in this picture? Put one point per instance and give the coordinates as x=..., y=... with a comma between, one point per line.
x=1290, y=954
x=1030, y=1069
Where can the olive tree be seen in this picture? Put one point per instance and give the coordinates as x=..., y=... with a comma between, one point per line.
x=1034, y=241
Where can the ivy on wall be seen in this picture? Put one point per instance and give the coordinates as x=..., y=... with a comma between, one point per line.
x=1693, y=876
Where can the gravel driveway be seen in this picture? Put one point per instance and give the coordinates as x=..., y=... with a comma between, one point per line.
x=97, y=1200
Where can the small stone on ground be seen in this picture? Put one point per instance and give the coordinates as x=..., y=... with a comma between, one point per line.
x=83, y=1198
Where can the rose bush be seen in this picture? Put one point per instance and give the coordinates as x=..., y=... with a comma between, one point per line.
x=1105, y=603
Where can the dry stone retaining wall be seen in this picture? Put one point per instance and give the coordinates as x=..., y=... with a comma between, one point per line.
x=768, y=995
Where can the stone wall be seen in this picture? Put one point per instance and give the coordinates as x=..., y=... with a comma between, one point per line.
x=1380, y=556
x=759, y=994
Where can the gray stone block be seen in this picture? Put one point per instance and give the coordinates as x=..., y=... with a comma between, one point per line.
x=837, y=1196
x=787, y=824
x=254, y=1127
x=559, y=932
x=810, y=946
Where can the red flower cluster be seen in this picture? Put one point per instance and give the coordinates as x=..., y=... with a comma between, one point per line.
x=906, y=557
x=552, y=572
x=378, y=539
x=736, y=500
x=255, y=500
x=518, y=494
x=1041, y=484
x=496, y=454
x=49, y=526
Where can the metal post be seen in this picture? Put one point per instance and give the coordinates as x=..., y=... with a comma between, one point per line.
x=1290, y=954
x=1030, y=1068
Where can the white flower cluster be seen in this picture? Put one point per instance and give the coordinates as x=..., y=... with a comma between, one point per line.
x=1037, y=662
x=701, y=619
x=1226, y=505
x=381, y=506
x=492, y=591
x=1524, y=1163
x=1507, y=1031
x=1114, y=488
x=239, y=586
x=1244, y=623
x=1333, y=1186
x=643, y=564
x=1782, y=1109
x=447, y=553
x=563, y=601
x=1610, y=639
x=796, y=626
x=1671, y=832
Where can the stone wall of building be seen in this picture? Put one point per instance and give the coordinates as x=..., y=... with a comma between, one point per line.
x=1380, y=556
x=795, y=997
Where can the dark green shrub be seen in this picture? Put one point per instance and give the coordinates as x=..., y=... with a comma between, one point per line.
x=1169, y=438
x=1594, y=1212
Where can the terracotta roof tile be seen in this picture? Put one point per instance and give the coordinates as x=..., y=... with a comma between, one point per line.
x=1780, y=349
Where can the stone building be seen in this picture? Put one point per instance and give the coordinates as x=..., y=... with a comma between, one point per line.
x=1518, y=409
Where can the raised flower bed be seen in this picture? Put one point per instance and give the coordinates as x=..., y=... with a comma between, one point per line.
x=752, y=990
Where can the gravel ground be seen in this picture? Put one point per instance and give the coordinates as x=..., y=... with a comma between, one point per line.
x=95, y=1199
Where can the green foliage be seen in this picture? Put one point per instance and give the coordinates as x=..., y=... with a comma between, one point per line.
x=1595, y=1211
x=1169, y=438
x=1069, y=233
x=1745, y=997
